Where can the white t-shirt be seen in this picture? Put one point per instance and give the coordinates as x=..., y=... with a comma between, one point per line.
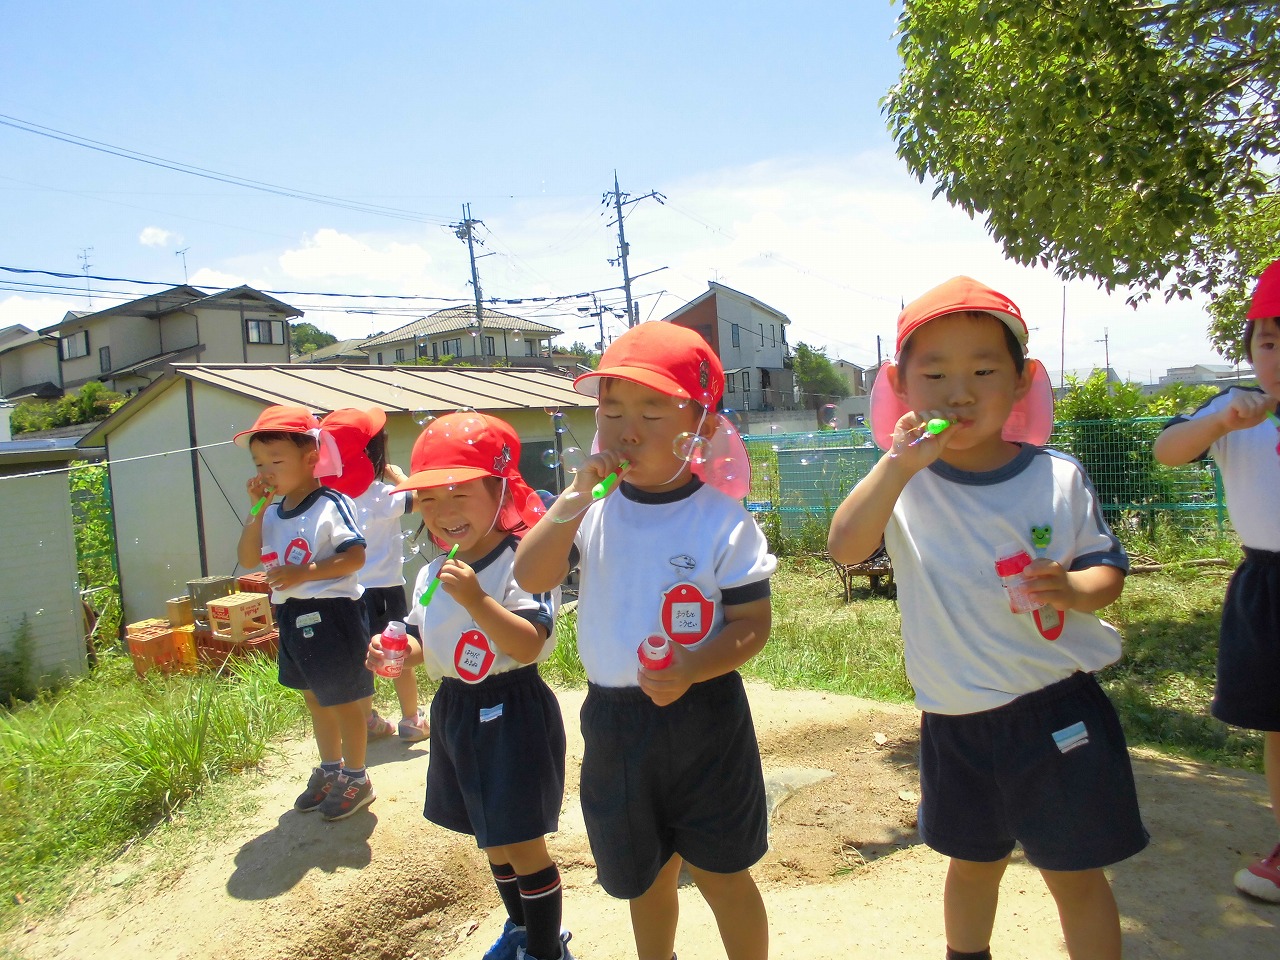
x=378, y=511
x=1250, y=468
x=452, y=645
x=322, y=525
x=965, y=650
x=662, y=563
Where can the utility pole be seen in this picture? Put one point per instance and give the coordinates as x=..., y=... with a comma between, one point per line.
x=623, y=250
x=1106, y=342
x=84, y=268
x=464, y=231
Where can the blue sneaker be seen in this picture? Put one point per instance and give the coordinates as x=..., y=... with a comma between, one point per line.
x=511, y=942
x=565, y=937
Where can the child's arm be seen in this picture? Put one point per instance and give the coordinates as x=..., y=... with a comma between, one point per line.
x=746, y=628
x=1185, y=441
x=249, y=548
x=331, y=568
x=1084, y=590
x=518, y=638
x=542, y=559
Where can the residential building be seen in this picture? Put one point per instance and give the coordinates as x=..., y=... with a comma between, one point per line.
x=344, y=351
x=28, y=365
x=453, y=334
x=750, y=338
x=1215, y=374
x=129, y=345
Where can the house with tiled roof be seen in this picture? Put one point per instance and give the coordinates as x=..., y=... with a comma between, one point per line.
x=453, y=335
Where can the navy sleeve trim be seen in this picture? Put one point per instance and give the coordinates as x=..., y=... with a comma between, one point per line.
x=574, y=557
x=732, y=596
x=541, y=617
x=1118, y=560
x=353, y=542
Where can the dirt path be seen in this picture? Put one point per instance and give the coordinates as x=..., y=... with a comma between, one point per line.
x=845, y=876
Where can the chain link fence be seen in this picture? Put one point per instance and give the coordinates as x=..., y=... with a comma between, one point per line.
x=798, y=479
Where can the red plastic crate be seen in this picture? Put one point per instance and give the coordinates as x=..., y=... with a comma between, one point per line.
x=216, y=651
x=151, y=648
x=255, y=582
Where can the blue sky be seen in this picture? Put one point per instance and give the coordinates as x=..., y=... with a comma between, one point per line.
x=760, y=123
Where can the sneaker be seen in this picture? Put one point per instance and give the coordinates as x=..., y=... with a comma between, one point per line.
x=317, y=789
x=565, y=937
x=346, y=797
x=416, y=730
x=511, y=941
x=379, y=726
x=1262, y=879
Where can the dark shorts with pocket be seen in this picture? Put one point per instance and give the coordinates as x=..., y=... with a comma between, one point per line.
x=684, y=778
x=382, y=605
x=496, y=766
x=1049, y=770
x=1247, y=691
x=323, y=644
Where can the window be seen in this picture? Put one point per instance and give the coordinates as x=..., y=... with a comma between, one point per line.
x=264, y=331
x=488, y=346
x=773, y=340
x=734, y=336
x=531, y=348
x=435, y=351
x=379, y=358
x=452, y=347
x=399, y=354
x=104, y=359
x=730, y=384
x=762, y=334
x=76, y=345
x=746, y=381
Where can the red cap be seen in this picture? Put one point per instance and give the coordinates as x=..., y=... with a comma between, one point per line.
x=352, y=430
x=1266, y=296
x=465, y=446
x=956, y=296
x=666, y=357
x=279, y=419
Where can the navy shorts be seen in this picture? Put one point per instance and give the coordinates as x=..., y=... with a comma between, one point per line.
x=322, y=649
x=684, y=778
x=1247, y=693
x=1049, y=770
x=382, y=605
x=496, y=766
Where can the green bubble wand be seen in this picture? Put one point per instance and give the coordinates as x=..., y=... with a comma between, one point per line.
x=262, y=502
x=931, y=429
x=603, y=488
x=435, y=581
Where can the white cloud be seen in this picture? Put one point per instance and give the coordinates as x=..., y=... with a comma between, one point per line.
x=36, y=312
x=157, y=237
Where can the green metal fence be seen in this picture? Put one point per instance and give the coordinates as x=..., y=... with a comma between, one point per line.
x=798, y=479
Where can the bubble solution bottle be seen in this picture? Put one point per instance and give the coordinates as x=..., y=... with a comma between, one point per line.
x=1011, y=560
x=655, y=653
x=395, y=645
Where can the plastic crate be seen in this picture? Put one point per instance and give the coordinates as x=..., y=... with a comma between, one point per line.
x=180, y=611
x=184, y=648
x=151, y=648
x=240, y=617
x=208, y=588
x=255, y=582
x=215, y=651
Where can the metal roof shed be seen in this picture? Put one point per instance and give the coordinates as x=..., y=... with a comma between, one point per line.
x=178, y=483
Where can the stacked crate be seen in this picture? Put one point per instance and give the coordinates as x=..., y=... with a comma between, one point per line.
x=240, y=625
x=150, y=645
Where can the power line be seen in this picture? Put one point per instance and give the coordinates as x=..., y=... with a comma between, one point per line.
x=176, y=166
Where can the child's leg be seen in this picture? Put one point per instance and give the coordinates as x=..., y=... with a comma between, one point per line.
x=735, y=900
x=1087, y=909
x=540, y=895
x=350, y=721
x=654, y=914
x=407, y=693
x=969, y=903
x=328, y=733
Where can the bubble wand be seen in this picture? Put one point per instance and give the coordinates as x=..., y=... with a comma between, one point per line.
x=1271, y=415
x=435, y=581
x=262, y=502
x=932, y=429
x=603, y=488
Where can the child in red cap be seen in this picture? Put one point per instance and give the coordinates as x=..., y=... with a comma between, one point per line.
x=671, y=771
x=361, y=436
x=313, y=549
x=496, y=767
x=1239, y=429
x=1018, y=742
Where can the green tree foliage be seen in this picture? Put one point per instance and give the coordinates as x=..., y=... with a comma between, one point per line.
x=590, y=356
x=92, y=402
x=820, y=382
x=1125, y=140
x=307, y=338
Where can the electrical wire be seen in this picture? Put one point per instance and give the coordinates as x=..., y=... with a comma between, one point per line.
x=112, y=462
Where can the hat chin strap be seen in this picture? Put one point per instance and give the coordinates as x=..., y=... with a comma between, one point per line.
x=689, y=463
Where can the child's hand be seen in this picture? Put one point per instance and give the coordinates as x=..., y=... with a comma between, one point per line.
x=914, y=447
x=669, y=684
x=286, y=575
x=1247, y=408
x=459, y=581
x=597, y=467
x=374, y=659
x=258, y=488
x=1048, y=583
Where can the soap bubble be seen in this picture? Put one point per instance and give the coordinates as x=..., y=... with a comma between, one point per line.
x=690, y=447
x=552, y=411
x=733, y=417
x=423, y=417
x=827, y=416
x=572, y=459
x=557, y=421
x=550, y=458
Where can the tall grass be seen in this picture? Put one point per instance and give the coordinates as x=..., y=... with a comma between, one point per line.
x=86, y=769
